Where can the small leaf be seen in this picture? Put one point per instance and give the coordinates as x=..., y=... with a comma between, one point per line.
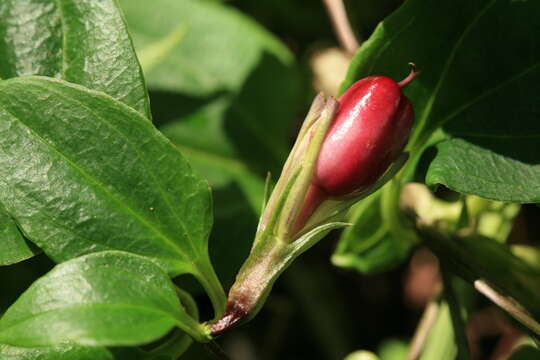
x=81, y=172
x=83, y=41
x=104, y=299
x=13, y=245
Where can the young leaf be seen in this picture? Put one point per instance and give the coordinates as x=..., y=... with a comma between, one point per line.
x=103, y=299
x=84, y=42
x=13, y=245
x=82, y=173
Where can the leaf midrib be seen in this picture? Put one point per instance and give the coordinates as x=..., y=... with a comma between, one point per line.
x=100, y=186
x=159, y=186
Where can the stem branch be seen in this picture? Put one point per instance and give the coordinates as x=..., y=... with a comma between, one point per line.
x=342, y=27
x=422, y=331
x=508, y=304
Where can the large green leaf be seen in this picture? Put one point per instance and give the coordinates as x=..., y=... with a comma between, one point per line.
x=195, y=59
x=82, y=173
x=103, y=299
x=83, y=41
x=470, y=87
x=13, y=245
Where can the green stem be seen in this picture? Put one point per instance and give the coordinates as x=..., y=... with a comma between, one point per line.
x=179, y=341
x=510, y=305
x=456, y=316
x=211, y=284
x=174, y=346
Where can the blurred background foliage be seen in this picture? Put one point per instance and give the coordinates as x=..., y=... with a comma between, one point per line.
x=230, y=82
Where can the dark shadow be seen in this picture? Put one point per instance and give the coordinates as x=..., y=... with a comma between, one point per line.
x=171, y=106
x=16, y=278
x=525, y=149
x=423, y=164
x=262, y=114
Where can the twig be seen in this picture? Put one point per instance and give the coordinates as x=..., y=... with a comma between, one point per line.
x=422, y=331
x=342, y=27
x=508, y=304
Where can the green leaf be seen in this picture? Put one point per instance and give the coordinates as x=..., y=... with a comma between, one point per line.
x=83, y=41
x=440, y=343
x=103, y=299
x=194, y=63
x=469, y=87
x=462, y=165
x=212, y=155
x=13, y=245
x=81, y=172
x=367, y=246
x=61, y=352
x=246, y=87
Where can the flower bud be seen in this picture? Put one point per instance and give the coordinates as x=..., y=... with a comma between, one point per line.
x=368, y=133
x=345, y=150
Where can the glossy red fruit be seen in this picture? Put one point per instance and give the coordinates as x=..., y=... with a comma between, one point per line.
x=367, y=134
